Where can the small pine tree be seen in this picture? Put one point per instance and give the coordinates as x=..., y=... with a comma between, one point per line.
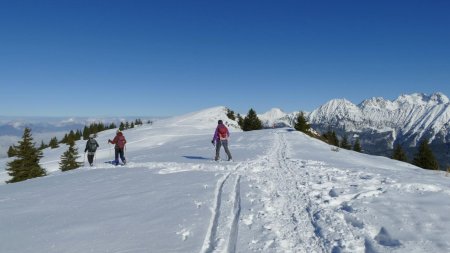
x=122, y=126
x=251, y=121
x=53, y=142
x=43, y=146
x=331, y=138
x=240, y=120
x=399, y=154
x=357, y=146
x=230, y=114
x=26, y=165
x=132, y=125
x=69, y=158
x=12, y=151
x=344, y=143
x=86, y=133
x=424, y=157
x=301, y=123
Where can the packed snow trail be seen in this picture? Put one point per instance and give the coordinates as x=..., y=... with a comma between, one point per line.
x=292, y=210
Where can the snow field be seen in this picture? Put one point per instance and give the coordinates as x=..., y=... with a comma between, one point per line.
x=285, y=192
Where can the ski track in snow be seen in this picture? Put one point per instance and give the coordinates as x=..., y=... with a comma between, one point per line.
x=223, y=227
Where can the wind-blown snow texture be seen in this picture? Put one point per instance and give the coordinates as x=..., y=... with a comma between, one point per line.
x=285, y=192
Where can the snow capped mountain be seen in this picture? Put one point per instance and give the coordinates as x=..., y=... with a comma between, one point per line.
x=407, y=119
x=285, y=192
x=275, y=118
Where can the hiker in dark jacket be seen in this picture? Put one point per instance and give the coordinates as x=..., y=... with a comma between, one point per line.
x=220, y=138
x=91, y=147
x=120, y=142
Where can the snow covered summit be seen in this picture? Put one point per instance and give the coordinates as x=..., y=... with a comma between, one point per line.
x=285, y=192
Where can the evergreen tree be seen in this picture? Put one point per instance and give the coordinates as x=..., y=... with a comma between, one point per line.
x=399, y=154
x=331, y=138
x=86, y=133
x=344, y=143
x=112, y=126
x=251, y=121
x=132, y=125
x=78, y=135
x=127, y=125
x=68, y=138
x=53, y=142
x=65, y=139
x=26, y=165
x=357, y=145
x=122, y=126
x=43, y=146
x=230, y=114
x=240, y=121
x=424, y=157
x=301, y=124
x=12, y=151
x=69, y=158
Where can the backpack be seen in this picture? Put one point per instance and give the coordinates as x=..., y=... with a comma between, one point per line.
x=92, y=145
x=120, y=142
x=223, y=132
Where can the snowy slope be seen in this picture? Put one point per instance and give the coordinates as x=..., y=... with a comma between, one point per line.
x=285, y=192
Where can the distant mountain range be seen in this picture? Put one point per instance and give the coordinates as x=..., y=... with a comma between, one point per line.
x=381, y=124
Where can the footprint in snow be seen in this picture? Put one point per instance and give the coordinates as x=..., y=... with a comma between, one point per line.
x=385, y=239
x=184, y=234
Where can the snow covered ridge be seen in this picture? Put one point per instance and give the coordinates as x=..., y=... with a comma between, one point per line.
x=285, y=192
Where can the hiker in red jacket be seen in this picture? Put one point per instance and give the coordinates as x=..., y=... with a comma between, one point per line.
x=220, y=137
x=120, y=142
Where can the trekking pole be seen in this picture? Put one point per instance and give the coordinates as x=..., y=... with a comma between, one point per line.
x=125, y=151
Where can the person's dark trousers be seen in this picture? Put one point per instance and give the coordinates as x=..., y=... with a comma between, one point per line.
x=223, y=143
x=119, y=152
x=90, y=158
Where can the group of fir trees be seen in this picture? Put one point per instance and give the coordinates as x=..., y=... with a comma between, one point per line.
x=332, y=139
x=250, y=121
x=27, y=156
x=127, y=125
x=94, y=128
x=423, y=157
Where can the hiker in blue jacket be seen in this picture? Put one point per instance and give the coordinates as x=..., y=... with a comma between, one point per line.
x=220, y=138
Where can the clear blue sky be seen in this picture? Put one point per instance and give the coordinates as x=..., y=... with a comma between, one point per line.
x=162, y=58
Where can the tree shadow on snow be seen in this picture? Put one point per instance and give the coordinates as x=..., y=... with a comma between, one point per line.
x=196, y=157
